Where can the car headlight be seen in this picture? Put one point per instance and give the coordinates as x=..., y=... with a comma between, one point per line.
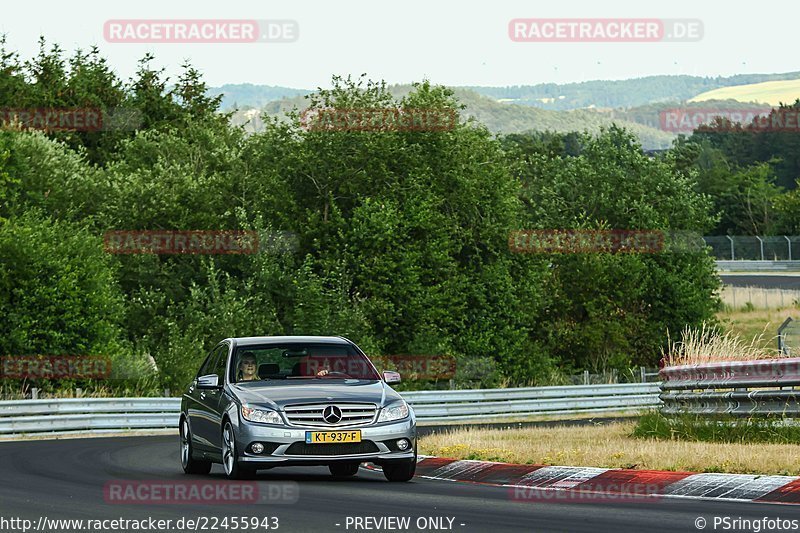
x=261, y=415
x=395, y=411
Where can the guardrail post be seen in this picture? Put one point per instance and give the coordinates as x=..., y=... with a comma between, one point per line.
x=585, y=377
x=733, y=257
x=782, y=336
x=34, y=393
x=761, y=243
x=78, y=392
x=790, y=246
x=643, y=374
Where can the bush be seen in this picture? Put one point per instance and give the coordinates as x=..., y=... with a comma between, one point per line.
x=59, y=296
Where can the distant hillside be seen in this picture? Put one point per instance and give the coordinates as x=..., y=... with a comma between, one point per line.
x=635, y=104
x=769, y=92
x=247, y=95
x=651, y=114
x=622, y=93
x=598, y=94
x=498, y=117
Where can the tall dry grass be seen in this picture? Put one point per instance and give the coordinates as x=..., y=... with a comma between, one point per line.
x=707, y=344
x=610, y=446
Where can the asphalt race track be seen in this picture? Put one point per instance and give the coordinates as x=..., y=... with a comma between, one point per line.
x=776, y=281
x=65, y=479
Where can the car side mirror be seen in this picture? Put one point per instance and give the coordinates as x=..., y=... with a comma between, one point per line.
x=209, y=381
x=390, y=376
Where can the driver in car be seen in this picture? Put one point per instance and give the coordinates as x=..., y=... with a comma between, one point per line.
x=248, y=367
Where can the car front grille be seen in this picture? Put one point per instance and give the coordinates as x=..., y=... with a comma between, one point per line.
x=341, y=448
x=310, y=415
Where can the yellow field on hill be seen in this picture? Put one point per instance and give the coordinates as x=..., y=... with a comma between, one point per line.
x=769, y=92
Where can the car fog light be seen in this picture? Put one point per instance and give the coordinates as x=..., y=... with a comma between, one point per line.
x=403, y=444
x=257, y=447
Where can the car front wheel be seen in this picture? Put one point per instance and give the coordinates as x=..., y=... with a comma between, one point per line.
x=230, y=456
x=400, y=471
x=343, y=469
x=188, y=462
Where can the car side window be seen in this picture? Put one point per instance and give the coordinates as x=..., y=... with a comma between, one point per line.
x=208, y=364
x=219, y=362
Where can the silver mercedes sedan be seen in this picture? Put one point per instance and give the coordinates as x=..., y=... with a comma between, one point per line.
x=261, y=402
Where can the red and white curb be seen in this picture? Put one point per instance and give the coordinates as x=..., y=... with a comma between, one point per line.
x=575, y=483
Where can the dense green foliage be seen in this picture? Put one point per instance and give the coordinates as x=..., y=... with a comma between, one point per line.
x=400, y=237
x=611, y=310
x=750, y=172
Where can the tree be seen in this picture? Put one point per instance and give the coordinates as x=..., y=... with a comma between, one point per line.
x=609, y=310
x=743, y=196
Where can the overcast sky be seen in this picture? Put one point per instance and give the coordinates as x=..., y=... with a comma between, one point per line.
x=453, y=42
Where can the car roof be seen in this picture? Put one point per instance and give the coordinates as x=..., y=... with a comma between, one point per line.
x=248, y=341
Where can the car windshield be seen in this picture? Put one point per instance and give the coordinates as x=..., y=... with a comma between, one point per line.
x=300, y=361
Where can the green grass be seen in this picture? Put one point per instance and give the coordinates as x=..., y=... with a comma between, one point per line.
x=727, y=430
x=749, y=323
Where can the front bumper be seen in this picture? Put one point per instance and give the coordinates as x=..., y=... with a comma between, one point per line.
x=382, y=436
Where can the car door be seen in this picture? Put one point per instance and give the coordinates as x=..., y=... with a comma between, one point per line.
x=205, y=419
x=193, y=411
x=215, y=398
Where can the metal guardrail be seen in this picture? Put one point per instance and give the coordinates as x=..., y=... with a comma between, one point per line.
x=87, y=414
x=758, y=266
x=746, y=388
x=122, y=414
x=444, y=406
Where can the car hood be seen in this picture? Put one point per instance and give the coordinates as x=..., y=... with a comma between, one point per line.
x=277, y=396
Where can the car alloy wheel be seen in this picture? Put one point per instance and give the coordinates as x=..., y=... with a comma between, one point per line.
x=188, y=462
x=228, y=449
x=185, y=446
x=230, y=456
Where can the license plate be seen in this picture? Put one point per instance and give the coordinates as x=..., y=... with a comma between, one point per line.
x=328, y=437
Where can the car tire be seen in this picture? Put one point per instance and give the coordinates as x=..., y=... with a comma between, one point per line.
x=400, y=471
x=188, y=462
x=230, y=456
x=343, y=469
